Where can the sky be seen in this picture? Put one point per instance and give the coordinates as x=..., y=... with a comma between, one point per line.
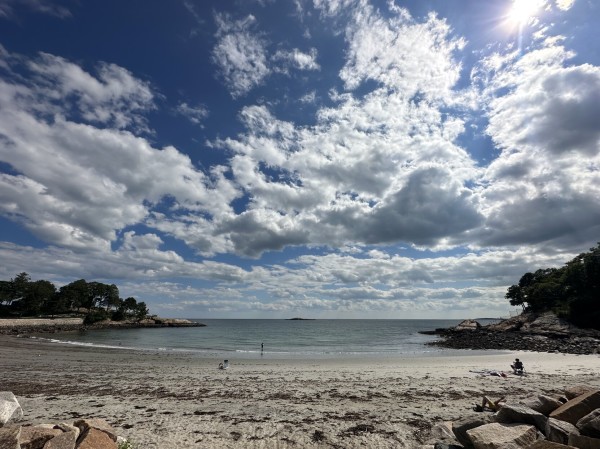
x=299, y=158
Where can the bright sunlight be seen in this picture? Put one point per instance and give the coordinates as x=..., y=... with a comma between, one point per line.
x=523, y=10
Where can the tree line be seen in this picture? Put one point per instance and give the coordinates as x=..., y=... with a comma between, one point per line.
x=572, y=291
x=23, y=297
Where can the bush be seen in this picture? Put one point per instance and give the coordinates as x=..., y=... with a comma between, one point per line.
x=95, y=315
x=118, y=315
x=126, y=445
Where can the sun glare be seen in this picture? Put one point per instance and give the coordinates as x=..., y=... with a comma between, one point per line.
x=523, y=10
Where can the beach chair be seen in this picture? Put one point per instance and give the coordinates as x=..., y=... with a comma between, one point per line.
x=224, y=364
x=518, y=367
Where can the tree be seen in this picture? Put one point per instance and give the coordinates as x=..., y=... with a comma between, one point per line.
x=75, y=295
x=141, y=310
x=6, y=295
x=19, y=286
x=572, y=291
x=37, y=295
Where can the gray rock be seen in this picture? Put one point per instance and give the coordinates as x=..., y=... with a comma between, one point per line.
x=9, y=437
x=66, y=440
x=502, y=436
x=543, y=404
x=461, y=426
x=468, y=325
x=66, y=427
x=543, y=444
x=558, y=431
x=9, y=407
x=514, y=414
x=442, y=431
x=589, y=425
x=575, y=409
x=36, y=437
x=583, y=442
x=547, y=323
x=577, y=390
x=442, y=445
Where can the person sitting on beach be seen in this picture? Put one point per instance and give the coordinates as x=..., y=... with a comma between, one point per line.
x=517, y=367
x=490, y=405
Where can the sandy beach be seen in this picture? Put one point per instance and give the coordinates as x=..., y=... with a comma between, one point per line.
x=166, y=400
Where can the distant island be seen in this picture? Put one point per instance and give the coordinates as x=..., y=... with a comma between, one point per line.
x=300, y=319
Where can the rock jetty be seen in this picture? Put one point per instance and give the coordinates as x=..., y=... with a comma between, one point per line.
x=543, y=422
x=526, y=332
x=50, y=325
x=82, y=434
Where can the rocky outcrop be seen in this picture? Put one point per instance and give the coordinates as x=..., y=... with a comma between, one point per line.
x=468, y=325
x=574, y=424
x=51, y=326
x=526, y=332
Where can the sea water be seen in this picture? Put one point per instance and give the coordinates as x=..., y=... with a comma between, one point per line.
x=306, y=339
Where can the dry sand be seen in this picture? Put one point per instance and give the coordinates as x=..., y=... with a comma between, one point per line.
x=165, y=400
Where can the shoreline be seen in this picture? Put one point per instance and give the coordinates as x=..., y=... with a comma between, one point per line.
x=176, y=400
x=28, y=326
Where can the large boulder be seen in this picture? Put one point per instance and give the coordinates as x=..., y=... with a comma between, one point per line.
x=9, y=407
x=589, y=425
x=85, y=425
x=469, y=325
x=575, y=409
x=36, y=437
x=543, y=404
x=96, y=439
x=583, y=442
x=558, y=431
x=66, y=440
x=548, y=324
x=577, y=390
x=513, y=414
x=442, y=431
x=502, y=436
x=9, y=437
x=466, y=423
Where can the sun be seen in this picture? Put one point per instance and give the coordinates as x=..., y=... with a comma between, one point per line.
x=523, y=10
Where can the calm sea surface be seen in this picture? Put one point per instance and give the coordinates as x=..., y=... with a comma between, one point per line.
x=282, y=339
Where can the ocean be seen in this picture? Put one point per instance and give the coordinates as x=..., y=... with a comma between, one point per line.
x=283, y=339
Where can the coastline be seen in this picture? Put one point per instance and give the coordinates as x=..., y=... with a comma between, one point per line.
x=19, y=326
x=176, y=400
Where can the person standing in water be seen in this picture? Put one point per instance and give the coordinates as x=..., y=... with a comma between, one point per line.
x=262, y=347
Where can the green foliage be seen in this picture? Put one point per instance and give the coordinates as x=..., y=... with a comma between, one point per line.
x=23, y=297
x=572, y=291
x=126, y=445
x=96, y=315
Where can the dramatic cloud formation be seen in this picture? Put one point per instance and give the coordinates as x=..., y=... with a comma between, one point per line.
x=340, y=158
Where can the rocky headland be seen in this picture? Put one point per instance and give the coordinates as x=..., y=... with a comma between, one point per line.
x=53, y=325
x=526, y=332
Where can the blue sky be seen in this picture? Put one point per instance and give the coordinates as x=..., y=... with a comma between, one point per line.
x=323, y=158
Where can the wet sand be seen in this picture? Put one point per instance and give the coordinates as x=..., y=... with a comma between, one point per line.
x=166, y=400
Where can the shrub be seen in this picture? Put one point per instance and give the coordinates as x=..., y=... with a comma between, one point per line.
x=95, y=315
x=126, y=445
